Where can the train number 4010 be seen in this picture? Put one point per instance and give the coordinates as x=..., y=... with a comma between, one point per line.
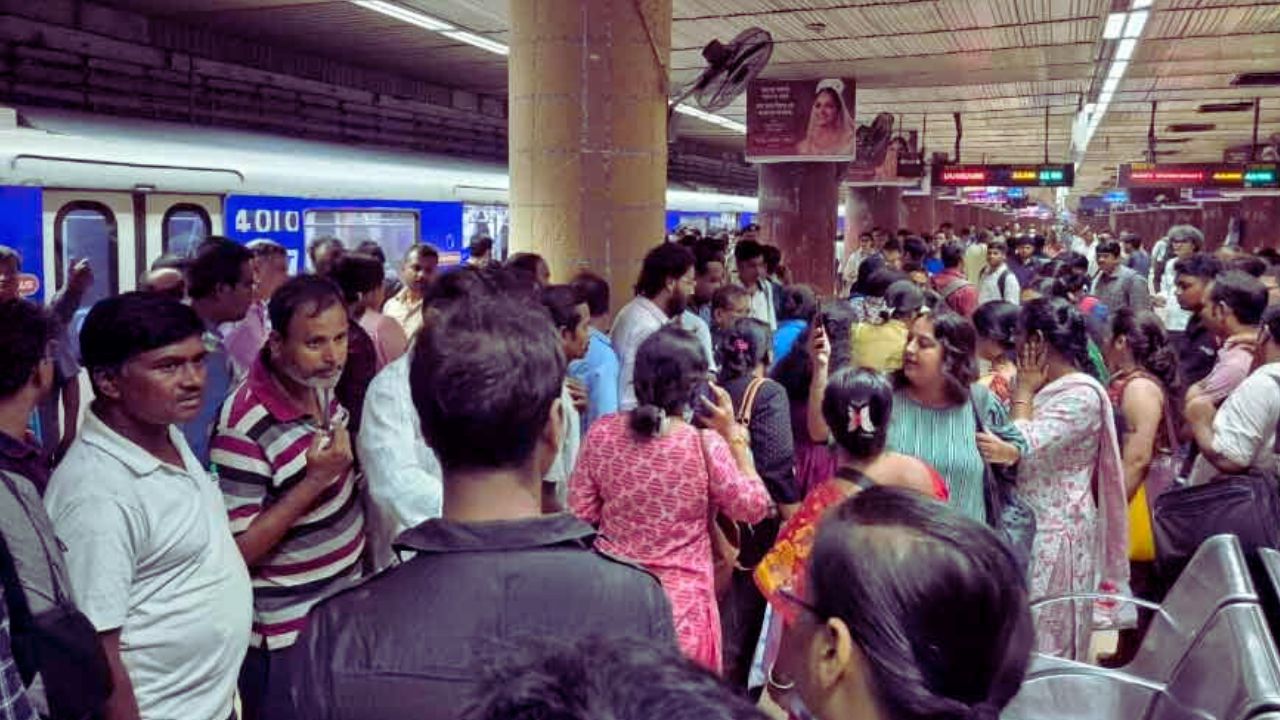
x=268, y=221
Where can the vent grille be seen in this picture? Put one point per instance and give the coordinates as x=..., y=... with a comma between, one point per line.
x=1190, y=127
x=1256, y=79
x=1225, y=107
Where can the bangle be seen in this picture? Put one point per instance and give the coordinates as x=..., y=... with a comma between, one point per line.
x=740, y=439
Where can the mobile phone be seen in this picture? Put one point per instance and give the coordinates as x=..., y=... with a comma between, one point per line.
x=700, y=391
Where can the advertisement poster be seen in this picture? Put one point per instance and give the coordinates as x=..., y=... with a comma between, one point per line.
x=20, y=229
x=493, y=221
x=801, y=120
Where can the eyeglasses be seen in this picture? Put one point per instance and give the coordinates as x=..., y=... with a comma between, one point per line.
x=790, y=606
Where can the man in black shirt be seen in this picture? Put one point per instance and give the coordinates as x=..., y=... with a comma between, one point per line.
x=485, y=378
x=1198, y=349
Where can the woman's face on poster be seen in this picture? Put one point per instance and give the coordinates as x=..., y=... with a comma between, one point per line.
x=826, y=108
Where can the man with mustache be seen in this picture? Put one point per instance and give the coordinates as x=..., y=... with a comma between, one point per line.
x=151, y=561
x=283, y=458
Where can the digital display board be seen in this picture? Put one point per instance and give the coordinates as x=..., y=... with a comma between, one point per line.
x=1004, y=175
x=1198, y=175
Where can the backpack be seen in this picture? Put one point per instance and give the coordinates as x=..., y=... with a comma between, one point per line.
x=60, y=644
x=1000, y=279
x=953, y=287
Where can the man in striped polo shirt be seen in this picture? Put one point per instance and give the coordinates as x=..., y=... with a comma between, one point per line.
x=289, y=484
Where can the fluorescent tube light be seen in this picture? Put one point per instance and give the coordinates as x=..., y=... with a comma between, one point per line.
x=1117, y=69
x=723, y=122
x=481, y=42
x=412, y=17
x=1115, y=26
x=1137, y=19
x=1124, y=50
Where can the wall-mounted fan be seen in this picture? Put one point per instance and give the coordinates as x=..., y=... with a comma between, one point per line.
x=1270, y=151
x=729, y=68
x=874, y=139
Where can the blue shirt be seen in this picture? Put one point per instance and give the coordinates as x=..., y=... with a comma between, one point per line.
x=599, y=372
x=217, y=386
x=933, y=266
x=785, y=339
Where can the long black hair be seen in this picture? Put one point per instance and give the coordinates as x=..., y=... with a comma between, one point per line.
x=997, y=321
x=899, y=569
x=670, y=366
x=959, y=343
x=794, y=372
x=1149, y=344
x=1062, y=327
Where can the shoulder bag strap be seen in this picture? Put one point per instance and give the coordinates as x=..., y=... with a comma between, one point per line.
x=990, y=496
x=15, y=600
x=855, y=476
x=60, y=595
x=749, y=401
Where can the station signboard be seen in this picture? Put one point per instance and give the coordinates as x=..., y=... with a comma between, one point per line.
x=956, y=175
x=1198, y=175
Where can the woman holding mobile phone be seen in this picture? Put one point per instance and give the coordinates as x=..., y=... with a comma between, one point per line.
x=822, y=350
x=650, y=481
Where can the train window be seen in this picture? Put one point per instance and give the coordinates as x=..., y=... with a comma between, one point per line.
x=395, y=231
x=87, y=231
x=184, y=227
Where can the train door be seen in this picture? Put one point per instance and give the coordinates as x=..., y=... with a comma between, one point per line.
x=94, y=226
x=97, y=227
x=177, y=223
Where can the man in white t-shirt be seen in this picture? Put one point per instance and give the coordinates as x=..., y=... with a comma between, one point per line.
x=1242, y=433
x=148, y=546
x=662, y=293
x=997, y=281
x=1185, y=241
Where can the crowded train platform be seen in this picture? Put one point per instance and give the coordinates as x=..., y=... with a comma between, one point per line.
x=639, y=360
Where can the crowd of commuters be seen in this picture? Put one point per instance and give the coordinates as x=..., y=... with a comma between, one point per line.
x=459, y=491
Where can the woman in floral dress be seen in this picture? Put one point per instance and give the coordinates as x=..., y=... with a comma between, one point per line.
x=651, y=482
x=1064, y=414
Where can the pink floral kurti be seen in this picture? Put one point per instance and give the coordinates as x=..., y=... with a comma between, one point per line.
x=1072, y=441
x=652, y=500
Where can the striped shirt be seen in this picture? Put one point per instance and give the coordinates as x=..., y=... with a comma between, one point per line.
x=946, y=438
x=259, y=453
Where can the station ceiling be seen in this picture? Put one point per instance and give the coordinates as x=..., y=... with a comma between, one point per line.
x=1000, y=63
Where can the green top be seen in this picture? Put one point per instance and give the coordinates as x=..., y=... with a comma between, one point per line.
x=945, y=438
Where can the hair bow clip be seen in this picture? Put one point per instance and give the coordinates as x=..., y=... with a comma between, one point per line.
x=741, y=345
x=860, y=419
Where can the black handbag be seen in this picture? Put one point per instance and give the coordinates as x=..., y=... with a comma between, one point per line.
x=1246, y=505
x=1006, y=513
x=60, y=643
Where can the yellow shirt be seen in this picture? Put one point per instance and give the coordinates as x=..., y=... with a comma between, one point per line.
x=879, y=347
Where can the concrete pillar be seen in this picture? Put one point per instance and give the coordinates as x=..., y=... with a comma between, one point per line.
x=919, y=214
x=871, y=207
x=799, y=202
x=588, y=133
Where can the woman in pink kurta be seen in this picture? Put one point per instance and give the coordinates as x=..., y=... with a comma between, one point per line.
x=651, y=482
